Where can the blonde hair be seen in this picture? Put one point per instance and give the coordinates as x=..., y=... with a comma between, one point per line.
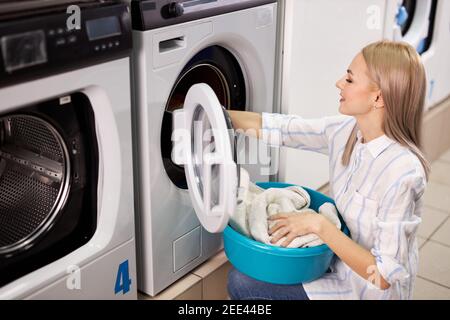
x=396, y=69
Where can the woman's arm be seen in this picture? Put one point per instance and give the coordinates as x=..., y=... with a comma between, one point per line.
x=249, y=122
x=289, y=130
x=356, y=257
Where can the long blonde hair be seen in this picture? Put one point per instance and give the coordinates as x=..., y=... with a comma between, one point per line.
x=396, y=69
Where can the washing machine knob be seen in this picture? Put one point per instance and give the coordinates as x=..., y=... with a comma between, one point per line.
x=175, y=9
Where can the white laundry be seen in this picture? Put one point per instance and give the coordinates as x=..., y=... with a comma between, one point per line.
x=256, y=205
x=246, y=193
x=273, y=201
x=328, y=210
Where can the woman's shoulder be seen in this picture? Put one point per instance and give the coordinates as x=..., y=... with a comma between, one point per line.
x=403, y=165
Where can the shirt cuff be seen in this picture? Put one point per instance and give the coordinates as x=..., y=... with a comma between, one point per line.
x=389, y=268
x=271, y=131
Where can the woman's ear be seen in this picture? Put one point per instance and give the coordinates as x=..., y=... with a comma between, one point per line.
x=379, y=102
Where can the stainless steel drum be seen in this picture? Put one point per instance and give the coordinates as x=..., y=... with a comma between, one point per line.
x=34, y=179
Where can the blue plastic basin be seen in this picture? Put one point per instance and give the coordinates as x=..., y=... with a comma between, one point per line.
x=276, y=264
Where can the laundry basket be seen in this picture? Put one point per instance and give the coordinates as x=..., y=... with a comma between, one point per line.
x=279, y=265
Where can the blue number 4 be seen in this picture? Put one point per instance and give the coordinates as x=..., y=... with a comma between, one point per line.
x=123, y=280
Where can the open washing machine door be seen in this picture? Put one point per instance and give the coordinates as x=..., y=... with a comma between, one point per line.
x=414, y=23
x=205, y=144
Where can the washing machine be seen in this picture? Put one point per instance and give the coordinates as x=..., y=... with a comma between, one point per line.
x=228, y=45
x=425, y=25
x=66, y=188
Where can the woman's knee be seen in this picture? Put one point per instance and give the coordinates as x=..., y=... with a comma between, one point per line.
x=235, y=284
x=242, y=287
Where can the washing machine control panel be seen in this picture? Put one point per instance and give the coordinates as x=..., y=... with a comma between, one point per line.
x=151, y=14
x=38, y=46
x=172, y=10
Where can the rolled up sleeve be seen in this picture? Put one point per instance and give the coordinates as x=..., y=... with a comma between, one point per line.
x=396, y=226
x=297, y=132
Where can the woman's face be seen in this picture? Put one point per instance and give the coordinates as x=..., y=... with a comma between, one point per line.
x=358, y=93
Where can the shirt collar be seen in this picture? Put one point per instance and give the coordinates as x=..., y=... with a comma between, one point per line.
x=375, y=146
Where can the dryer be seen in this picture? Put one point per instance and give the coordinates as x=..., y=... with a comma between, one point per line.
x=425, y=25
x=66, y=190
x=230, y=46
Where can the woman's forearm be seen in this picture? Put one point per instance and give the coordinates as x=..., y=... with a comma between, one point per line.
x=355, y=256
x=249, y=122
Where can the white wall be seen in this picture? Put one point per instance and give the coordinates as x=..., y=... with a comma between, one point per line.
x=321, y=38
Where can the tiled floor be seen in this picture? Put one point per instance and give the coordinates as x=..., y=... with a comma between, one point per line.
x=433, y=281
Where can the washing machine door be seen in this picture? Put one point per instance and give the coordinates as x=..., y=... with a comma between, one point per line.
x=413, y=23
x=204, y=144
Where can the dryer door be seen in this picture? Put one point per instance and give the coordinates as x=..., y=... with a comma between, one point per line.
x=202, y=144
x=413, y=23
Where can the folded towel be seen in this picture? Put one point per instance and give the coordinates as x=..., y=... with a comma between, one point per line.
x=255, y=205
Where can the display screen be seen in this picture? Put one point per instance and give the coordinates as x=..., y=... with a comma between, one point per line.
x=23, y=50
x=103, y=28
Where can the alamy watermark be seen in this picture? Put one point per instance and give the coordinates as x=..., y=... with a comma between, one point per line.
x=246, y=148
x=73, y=22
x=73, y=281
x=374, y=18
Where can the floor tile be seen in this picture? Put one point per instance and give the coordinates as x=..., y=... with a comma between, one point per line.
x=434, y=263
x=432, y=219
x=437, y=196
x=421, y=241
x=189, y=287
x=443, y=233
x=426, y=290
x=440, y=172
x=214, y=274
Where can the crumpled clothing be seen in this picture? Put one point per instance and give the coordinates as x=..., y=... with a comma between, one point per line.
x=256, y=205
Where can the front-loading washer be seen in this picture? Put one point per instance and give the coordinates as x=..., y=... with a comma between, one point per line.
x=425, y=25
x=229, y=45
x=66, y=189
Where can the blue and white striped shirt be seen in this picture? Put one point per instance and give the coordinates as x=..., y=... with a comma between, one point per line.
x=379, y=195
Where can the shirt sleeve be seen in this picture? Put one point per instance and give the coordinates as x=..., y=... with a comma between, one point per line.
x=297, y=132
x=396, y=226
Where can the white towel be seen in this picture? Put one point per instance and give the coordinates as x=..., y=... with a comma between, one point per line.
x=328, y=210
x=273, y=201
x=246, y=193
x=255, y=205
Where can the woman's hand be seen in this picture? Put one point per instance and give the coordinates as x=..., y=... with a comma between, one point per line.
x=293, y=225
x=249, y=122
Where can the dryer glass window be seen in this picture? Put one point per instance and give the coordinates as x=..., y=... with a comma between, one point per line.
x=203, y=144
x=48, y=183
x=34, y=178
x=216, y=67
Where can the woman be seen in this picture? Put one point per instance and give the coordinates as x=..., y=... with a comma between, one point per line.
x=377, y=177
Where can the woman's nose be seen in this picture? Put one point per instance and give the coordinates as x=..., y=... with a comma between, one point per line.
x=339, y=83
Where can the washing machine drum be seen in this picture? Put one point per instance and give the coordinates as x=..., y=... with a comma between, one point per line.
x=34, y=179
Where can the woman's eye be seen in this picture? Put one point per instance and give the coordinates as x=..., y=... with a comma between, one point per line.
x=348, y=80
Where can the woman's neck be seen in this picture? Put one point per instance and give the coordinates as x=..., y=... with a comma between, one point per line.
x=370, y=128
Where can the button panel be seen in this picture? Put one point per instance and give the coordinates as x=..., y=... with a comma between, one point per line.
x=106, y=45
x=61, y=36
x=34, y=48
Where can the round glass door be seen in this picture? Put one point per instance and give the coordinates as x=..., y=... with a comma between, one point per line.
x=220, y=70
x=208, y=157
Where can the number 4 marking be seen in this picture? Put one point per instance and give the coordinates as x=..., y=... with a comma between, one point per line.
x=123, y=280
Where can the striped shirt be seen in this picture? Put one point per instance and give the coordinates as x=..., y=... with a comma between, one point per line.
x=379, y=195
